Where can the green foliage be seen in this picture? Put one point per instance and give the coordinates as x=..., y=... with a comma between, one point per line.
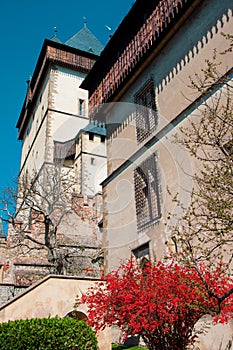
x=47, y=334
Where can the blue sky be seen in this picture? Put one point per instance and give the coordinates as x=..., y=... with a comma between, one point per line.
x=23, y=26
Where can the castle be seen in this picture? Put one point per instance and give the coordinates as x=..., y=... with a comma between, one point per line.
x=138, y=98
x=57, y=142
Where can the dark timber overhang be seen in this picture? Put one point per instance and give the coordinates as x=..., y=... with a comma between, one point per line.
x=136, y=41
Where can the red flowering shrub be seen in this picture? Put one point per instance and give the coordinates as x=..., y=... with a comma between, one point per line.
x=161, y=302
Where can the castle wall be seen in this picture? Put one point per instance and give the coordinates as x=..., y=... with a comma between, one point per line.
x=78, y=246
x=170, y=66
x=33, y=144
x=169, y=69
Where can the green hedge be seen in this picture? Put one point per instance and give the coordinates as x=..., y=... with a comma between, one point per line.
x=47, y=334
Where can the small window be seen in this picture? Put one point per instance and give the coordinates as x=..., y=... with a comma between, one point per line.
x=85, y=200
x=142, y=254
x=146, y=113
x=92, y=161
x=91, y=136
x=102, y=138
x=81, y=107
x=141, y=251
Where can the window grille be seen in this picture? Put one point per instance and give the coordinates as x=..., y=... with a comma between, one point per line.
x=148, y=207
x=146, y=114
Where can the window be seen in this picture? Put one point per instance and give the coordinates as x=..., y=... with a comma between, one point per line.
x=142, y=251
x=148, y=208
x=91, y=136
x=81, y=107
x=102, y=138
x=146, y=114
x=142, y=254
x=92, y=161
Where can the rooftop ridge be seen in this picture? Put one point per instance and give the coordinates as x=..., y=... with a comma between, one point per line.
x=86, y=41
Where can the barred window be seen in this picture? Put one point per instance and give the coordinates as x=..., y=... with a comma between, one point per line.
x=148, y=207
x=146, y=115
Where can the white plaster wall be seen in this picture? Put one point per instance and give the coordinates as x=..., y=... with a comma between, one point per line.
x=58, y=101
x=36, y=155
x=67, y=92
x=93, y=174
x=175, y=169
x=94, y=164
x=66, y=121
x=65, y=127
x=183, y=55
x=33, y=147
x=120, y=225
x=95, y=146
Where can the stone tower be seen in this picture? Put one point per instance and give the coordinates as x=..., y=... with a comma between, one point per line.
x=54, y=121
x=55, y=107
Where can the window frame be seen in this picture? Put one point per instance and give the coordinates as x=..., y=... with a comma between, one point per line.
x=146, y=111
x=147, y=197
x=81, y=107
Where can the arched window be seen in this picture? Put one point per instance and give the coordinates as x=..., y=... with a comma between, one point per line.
x=77, y=315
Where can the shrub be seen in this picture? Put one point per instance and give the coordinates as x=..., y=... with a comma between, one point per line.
x=47, y=334
x=161, y=302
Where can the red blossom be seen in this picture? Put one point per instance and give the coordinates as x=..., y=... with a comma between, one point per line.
x=161, y=302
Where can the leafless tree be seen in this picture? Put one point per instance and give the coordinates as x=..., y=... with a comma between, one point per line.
x=35, y=212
